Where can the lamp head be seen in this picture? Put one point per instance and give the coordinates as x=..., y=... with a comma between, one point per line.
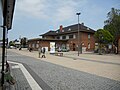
x=78, y=13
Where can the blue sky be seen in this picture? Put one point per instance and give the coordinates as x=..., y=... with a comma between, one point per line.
x=35, y=17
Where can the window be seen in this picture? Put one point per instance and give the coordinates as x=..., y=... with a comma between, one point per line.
x=37, y=45
x=33, y=45
x=58, y=37
x=70, y=36
x=63, y=37
x=88, y=36
x=88, y=28
x=37, y=41
x=88, y=45
x=62, y=30
x=29, y=45
x=44, y=37
x=83, y=44
x=74, y=36
x=69, y=29
x=67, y=37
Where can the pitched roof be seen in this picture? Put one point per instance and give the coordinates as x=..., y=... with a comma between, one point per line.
x=70, y=29
x=49, y=33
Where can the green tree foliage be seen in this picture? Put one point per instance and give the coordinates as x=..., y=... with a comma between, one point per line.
x=11, y=43
x=103, y=36
x=24, y=41
x=112, y=24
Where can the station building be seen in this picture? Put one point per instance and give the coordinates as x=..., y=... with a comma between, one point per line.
x=66, y=38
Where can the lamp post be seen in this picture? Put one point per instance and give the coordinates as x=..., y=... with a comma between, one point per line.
x=78, y=35
x=20, y=42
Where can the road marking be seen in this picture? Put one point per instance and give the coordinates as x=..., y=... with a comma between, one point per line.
x=34, y=85
x=15, y=66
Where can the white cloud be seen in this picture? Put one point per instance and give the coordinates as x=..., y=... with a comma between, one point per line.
x=64, y=13
x=32, y=8
x=59, y=10
x=56, y=12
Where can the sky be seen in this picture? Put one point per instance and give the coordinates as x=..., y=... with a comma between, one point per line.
x=35, y=17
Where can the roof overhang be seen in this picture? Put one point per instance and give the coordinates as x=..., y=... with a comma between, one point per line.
x=8, y=10
x=68, y=32
x=43, y=39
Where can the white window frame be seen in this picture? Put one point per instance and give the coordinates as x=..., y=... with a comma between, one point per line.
x=88, y=36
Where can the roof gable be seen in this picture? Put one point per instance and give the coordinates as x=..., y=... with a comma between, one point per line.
x=70, y=29
x=75, y=28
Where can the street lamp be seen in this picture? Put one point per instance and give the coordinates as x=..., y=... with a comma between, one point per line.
x=79, y=45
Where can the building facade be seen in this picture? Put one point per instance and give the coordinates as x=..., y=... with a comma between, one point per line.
x=66, y=38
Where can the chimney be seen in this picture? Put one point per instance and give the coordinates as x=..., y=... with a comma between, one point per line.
x=61, y=27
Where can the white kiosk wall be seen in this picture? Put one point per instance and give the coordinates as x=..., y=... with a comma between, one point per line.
x=52, y=47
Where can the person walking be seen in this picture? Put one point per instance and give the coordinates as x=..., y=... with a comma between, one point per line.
x=39, y=51
x=43, y=53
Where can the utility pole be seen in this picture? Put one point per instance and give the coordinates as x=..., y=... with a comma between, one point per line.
x=79, y=45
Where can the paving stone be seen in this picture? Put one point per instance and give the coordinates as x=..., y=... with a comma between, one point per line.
x=62, y=78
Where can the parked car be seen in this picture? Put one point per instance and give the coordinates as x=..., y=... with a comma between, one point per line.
x=63, y=50
x=59, y=50
x=12, y=47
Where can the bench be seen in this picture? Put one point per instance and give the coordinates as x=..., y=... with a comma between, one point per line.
x=58, y=54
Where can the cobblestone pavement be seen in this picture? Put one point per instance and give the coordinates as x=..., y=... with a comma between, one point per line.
x=101, y=65
x=21, y=82
x=62, y=78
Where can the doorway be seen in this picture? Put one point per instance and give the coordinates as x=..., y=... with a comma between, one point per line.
x=73, y=46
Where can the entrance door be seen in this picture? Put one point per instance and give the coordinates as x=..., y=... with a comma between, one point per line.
x=73, y=46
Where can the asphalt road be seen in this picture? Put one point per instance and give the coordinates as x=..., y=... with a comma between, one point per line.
x=51, y=76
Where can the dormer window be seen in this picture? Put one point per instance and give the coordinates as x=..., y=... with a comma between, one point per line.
x=56, y=31
x=69, y=29
x=62, y=30
x=88, y=28
x=88, y=36
x=58, y=37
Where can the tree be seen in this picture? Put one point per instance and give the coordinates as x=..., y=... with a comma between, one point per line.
x=112, y=24
x=103, y=37
x=11, y=43
x=24, y=41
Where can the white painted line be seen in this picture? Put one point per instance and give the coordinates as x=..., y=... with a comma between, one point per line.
x=16, y=66
x=34, y=85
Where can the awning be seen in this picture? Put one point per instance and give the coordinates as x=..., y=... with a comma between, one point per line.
x=8, y=11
